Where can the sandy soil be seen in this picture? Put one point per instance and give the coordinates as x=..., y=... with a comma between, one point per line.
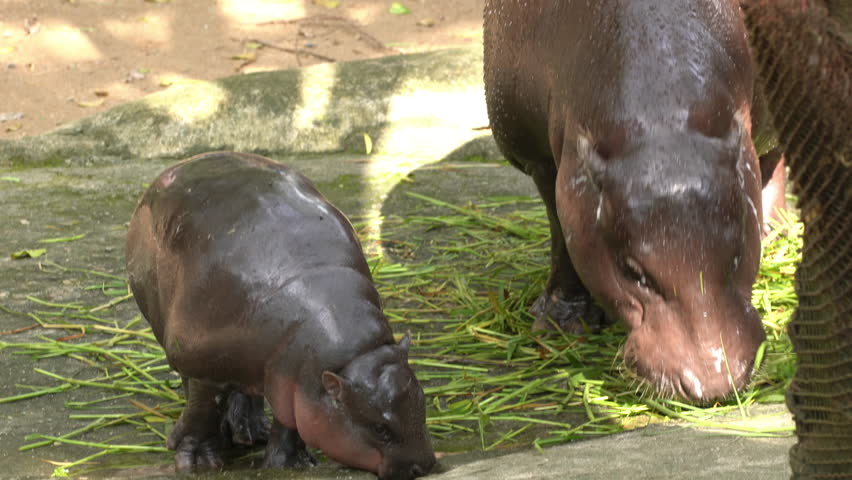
x=61, y=60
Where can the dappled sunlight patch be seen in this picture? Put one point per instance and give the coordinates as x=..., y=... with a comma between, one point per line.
x=368, y=12
x=254, y=11
x=385, y=173
x=158, y=29
x=317, y=86
x=404, y=142
x=68, y=43
x=466, y=106
x=188, y=100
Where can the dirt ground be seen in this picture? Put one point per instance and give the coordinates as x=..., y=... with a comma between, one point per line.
x=61, y=60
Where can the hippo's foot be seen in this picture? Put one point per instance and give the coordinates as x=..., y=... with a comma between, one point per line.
x=196, y=438
x=286, y=449
x=578, y=315
x=195, y=450
x=244, y=420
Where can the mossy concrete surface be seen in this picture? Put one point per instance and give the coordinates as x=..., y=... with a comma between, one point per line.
x=395, y=101
x=421, y=114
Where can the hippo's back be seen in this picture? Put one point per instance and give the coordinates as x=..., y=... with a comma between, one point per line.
x=216, y=244
x=610, y=68
x=235, y=194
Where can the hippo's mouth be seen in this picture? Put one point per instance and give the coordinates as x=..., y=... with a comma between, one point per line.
x=698, y=376
x=686, y=386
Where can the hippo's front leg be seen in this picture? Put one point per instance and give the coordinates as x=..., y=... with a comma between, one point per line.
x=286, y=448
x=196, y=438
x=565, y=301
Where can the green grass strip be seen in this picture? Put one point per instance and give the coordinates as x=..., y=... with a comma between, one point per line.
x=63, y=239
x=38, y=393
x=461, y=282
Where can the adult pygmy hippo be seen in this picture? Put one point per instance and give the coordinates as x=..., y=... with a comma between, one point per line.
x=257, y=287
x=633, y=119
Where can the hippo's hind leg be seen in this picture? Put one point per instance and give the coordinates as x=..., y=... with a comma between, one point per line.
x=196, y=438
x=565, y=301
x=286, y=449
x=244, y=420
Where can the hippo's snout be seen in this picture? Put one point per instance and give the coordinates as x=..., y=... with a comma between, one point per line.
x=408, y=469
x=697, y=380
x=711, y=384
x=697, y=358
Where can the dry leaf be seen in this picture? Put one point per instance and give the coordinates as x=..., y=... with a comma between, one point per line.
x=327, y=3
x=368, y=144
x=92, y=104
x=426, y=22
x=29, y=253
x=134, y=75
x=397, y=8
x=6, y=50
x=248, y=56
x=14, y=127
x=31, y=26
x=101, y=93
x=169, y=81
x=8, y=117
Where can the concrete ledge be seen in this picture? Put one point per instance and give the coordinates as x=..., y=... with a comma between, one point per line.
x=410, y=104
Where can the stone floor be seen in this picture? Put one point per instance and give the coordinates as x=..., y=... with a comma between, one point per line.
x=421, y=114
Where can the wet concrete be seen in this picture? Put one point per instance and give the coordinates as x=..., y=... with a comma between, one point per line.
x=422, y=115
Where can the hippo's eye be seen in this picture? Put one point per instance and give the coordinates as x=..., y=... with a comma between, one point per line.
x=634, y=273
x=382, y=431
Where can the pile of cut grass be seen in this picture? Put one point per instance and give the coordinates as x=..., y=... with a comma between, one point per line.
x=460, y=279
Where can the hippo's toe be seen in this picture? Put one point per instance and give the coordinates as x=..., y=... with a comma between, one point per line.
x=578, y=315
x=196, y=439
x=194, y=454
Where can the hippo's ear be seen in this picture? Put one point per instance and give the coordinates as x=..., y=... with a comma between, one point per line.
x=735, y=132
x=334, y=385
x=590, y=160
x=405, y=343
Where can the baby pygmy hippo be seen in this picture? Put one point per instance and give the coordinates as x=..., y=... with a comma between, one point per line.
x=256, y=286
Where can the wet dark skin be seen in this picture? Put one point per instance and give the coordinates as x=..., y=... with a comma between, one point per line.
x=633, y=118
x=257, y=287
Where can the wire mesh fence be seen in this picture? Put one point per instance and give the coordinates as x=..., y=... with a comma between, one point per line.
x=804, y=61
